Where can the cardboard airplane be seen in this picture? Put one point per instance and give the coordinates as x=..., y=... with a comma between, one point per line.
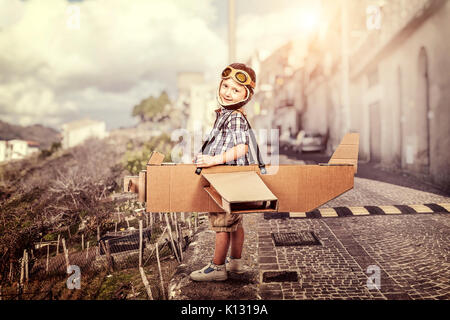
x=170, y=187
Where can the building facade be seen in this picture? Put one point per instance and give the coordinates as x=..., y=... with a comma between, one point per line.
x=76, y=132
x=278, y=100
x=398, y=87
x=387, y=82
x=17, y=149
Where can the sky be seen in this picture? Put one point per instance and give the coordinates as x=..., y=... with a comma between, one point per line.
x=66, y=60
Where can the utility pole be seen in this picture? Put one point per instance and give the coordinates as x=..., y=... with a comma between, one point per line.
x=231, y=32
x=345, y=96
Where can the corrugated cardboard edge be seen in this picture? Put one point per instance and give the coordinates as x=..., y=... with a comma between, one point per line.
x=226, y=205
x=258, y=210
x=142, y=185
x=214, y=195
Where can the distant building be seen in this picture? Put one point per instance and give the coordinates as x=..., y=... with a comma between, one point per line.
x=185, y=81
x=33, y=147
x=3, y=148
x=197, y=98
x=278, y=100
x=17, y=149
x=78, y=131
x=201, y=108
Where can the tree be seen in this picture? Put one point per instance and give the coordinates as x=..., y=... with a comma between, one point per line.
x=152, y=109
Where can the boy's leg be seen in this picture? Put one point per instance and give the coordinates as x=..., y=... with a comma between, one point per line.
x=237, y=242
x=215, y=270
x=223, y=224
x=234, y=263
x=221, y=248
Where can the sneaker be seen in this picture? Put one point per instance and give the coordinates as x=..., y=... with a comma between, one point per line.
x=211, y=272
x=234, y=265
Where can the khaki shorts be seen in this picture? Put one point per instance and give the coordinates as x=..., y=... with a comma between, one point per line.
x=224, y=221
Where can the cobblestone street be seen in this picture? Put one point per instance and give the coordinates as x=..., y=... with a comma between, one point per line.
x=411, y=252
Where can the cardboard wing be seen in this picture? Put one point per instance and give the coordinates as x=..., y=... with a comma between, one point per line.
x=240, y=192
x=172, y=187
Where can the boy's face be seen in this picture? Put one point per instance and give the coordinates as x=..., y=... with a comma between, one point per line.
x=231, y=92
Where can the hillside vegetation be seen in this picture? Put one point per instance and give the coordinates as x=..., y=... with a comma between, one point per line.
x=76, y=195
x=66, y=193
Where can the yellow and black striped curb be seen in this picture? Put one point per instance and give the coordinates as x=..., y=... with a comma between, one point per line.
x=363, y=211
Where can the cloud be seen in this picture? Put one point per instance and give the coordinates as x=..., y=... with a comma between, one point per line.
x=54, y=65
x=266, y=31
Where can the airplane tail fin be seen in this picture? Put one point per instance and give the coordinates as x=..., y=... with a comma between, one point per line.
x=347, y=151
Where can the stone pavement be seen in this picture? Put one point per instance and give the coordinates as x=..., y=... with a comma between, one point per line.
x=410, y=252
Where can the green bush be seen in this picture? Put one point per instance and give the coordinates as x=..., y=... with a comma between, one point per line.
x=45, y=153
x=137, y=156
x=51, y=237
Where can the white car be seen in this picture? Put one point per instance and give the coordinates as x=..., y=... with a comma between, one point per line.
x=309, y=142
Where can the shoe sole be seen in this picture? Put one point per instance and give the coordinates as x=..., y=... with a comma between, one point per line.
x=238, y=272
x=222, y=278
x=204, y=280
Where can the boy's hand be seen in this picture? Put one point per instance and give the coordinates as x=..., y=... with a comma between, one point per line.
x=205, y=161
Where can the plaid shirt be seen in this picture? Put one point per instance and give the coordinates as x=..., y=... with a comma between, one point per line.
x=235, y=132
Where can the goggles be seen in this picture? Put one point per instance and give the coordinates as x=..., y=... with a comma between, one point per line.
x=239, y=76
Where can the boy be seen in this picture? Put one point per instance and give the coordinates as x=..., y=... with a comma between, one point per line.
x=229, y=146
